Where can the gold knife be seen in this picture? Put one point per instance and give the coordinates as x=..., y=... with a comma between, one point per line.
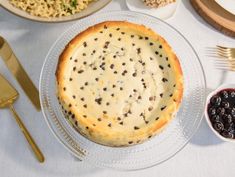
x=18, y=71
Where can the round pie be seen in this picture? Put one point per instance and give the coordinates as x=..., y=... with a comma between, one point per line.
x=119, y=83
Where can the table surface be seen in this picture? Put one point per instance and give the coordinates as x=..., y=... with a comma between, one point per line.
x=205, y=154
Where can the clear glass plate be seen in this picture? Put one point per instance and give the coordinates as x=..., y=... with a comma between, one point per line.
x=159, y=148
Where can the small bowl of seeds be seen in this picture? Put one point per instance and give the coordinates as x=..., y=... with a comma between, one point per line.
x=220, y=112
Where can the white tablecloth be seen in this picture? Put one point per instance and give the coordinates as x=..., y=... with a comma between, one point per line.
x=205, y=155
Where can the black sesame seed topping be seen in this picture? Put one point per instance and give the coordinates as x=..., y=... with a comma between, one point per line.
x=99, y=119
x=149, y=136
x=150, y=58
x=119, y=39
x=130, y=142
x=75, y=60
x=134, y=90
x=146, y=38
x=118, y=29
x=150, y=43
x=71, y=58
x=150, y=108
x=122, y=33
x=97, y=79
x=114, y=56
x=104, y=89
x=64, y=88
x=82, y=99
x=105, y=27
x=156, y=52
x=139, y=97
x=112, y=94
x=133, y=44
x=110, y=35
x=122, y=48
x=70, y=105
x=166, y=58
x=86, y=83
x=121, y=88
x=85, y=106
x=84, y=54
x=169, y=65
x=123, y=64
x=131, y=59
x=109, y=124
x=119, y=118
x=74, y=68
x=132, y=36
x=104, y=112
x=140, y=37
x=160, y=55
x=70, y=79
x=84, y=116
x=114, y=86
x=101, y=31
x=134, y=74
x=138, y=50
x=121, y=123
x=170, y=95
x=160, y=46
x=74, y=96
x=87, y=127
x=73, y=116
x=76, y=123
x=156, y=118
x=96, y=39
x=81, y=88
x=161, y=95
x=115, y=72
x=107, y=104
x=162, y=108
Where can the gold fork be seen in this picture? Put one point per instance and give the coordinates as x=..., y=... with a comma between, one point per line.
x=224, y=57
x=226, y=52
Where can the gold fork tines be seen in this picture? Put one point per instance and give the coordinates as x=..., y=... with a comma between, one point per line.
x=224, y=57
x=226, y=52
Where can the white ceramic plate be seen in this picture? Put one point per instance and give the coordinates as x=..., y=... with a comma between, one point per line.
x=92, y=8
x=162, y=12
x=228, y=5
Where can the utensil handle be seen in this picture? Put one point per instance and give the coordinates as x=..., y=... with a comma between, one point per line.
x=28, y=137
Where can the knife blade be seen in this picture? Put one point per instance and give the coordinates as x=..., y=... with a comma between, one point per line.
x=18, y=71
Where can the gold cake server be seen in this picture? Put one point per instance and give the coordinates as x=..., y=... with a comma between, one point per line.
x=18, y=71
x=8, y=95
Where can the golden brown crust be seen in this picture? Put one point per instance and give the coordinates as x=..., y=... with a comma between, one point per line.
x=140, y=135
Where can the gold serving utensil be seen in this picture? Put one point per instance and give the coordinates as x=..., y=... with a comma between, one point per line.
x=18, y=71
x=8, y=95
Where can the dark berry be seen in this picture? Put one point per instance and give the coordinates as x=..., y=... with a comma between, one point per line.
x=224, y=94
x=215, y=100
x=218, y=126
x=215, y=118
x=221, y=111
x=227, y=134
x=225, y=104
x=233, y=112
x=212, y=111
x=232, y=94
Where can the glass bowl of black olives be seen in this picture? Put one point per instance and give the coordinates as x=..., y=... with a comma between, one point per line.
x=220, y=112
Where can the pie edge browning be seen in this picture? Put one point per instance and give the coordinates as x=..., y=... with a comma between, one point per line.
x=168, y=112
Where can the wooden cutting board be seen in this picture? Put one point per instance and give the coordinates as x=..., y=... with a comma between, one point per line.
x=214, y=14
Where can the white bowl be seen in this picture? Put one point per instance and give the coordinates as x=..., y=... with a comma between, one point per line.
x=222, y=87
